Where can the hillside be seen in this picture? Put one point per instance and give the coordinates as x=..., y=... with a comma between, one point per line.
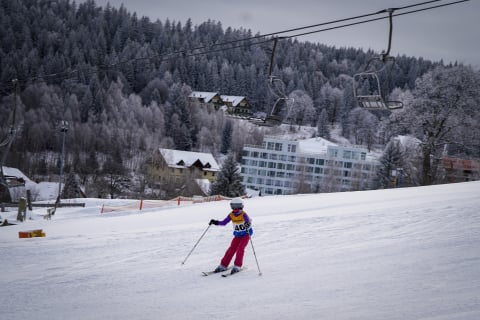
x=409, y=253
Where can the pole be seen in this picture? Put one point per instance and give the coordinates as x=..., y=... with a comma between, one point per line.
x=255, y=255
x=63, y=129
x=188, y=255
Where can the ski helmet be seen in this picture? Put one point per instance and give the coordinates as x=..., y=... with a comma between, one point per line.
x=236, y=203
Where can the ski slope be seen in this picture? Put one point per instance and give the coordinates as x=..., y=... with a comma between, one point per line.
x=410, y=253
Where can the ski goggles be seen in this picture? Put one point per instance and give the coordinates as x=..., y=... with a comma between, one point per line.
x=236, y=206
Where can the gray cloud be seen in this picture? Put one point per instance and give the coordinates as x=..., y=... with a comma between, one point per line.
x=448, y=33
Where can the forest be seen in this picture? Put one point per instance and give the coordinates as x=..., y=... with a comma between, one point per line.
x=121, y=82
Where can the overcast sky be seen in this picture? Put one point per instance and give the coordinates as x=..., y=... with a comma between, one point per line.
x=450, y=33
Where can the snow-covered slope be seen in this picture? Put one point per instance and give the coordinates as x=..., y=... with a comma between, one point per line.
x=409, y=253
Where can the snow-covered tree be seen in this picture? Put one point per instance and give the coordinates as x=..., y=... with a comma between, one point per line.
x=444, y=100
x=226, y=137
x=229, y=181
x=391, y=159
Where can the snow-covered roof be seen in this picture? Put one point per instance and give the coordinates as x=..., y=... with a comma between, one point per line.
x=314, y=145
x=206, y=96
x=234, y=100
x=178, y=158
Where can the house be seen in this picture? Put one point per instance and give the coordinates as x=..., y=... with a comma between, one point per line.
x=460, y=170
x=207, y=97
x=237, y=105
x=177, y=169
x=283, y=166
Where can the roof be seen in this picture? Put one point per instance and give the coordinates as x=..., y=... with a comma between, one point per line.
x=178, y=158
x=315, y=145
x=235, y=100
x=206, y=96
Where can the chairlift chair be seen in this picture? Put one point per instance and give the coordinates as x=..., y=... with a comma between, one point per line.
x=373, y=99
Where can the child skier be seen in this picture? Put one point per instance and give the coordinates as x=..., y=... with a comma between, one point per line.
x=241, y=230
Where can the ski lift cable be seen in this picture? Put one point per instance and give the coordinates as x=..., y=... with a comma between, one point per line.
x=190, y=52
x=375, y=19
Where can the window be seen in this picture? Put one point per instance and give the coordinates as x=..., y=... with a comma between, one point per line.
x=272, y=165
x=273, y=156
x=347, y=165
x=292, y=148
x=363, y=156
x=318, y=170
x=281, y=166
x=278, y=146
x=245, y=153
x=264, y=155
x=319, y=162
x=270, y=146
x=347, y=154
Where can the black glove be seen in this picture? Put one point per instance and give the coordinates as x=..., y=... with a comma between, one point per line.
x=213, y=221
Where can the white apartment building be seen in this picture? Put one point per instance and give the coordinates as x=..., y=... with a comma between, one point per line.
x=281, y=166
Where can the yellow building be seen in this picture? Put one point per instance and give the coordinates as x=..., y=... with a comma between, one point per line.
x=183, y=170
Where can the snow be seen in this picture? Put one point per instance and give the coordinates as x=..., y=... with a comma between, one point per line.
x=40, y=191
x=173, y=157
x=409, y=253
x=234, y=100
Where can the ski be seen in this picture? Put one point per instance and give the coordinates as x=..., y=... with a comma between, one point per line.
x=208, y=273
x=231, y=274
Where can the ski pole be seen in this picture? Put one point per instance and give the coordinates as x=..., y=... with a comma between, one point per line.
x=195, y=245
x=254, y=254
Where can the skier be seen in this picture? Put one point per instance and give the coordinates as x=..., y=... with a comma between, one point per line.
x=242, y=231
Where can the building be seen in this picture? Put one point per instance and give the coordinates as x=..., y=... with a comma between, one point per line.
x=461, y=170
x=237, y=105
x=282, y=166
x=170, y=168
x=207, y=97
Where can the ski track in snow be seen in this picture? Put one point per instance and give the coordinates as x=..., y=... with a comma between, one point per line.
x=392, y=254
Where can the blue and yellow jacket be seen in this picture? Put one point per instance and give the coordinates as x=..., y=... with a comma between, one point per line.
x=241, y=222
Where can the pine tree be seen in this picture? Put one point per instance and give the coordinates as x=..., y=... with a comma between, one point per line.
x=229, y=181
x=226, y=137
x=390, y=160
